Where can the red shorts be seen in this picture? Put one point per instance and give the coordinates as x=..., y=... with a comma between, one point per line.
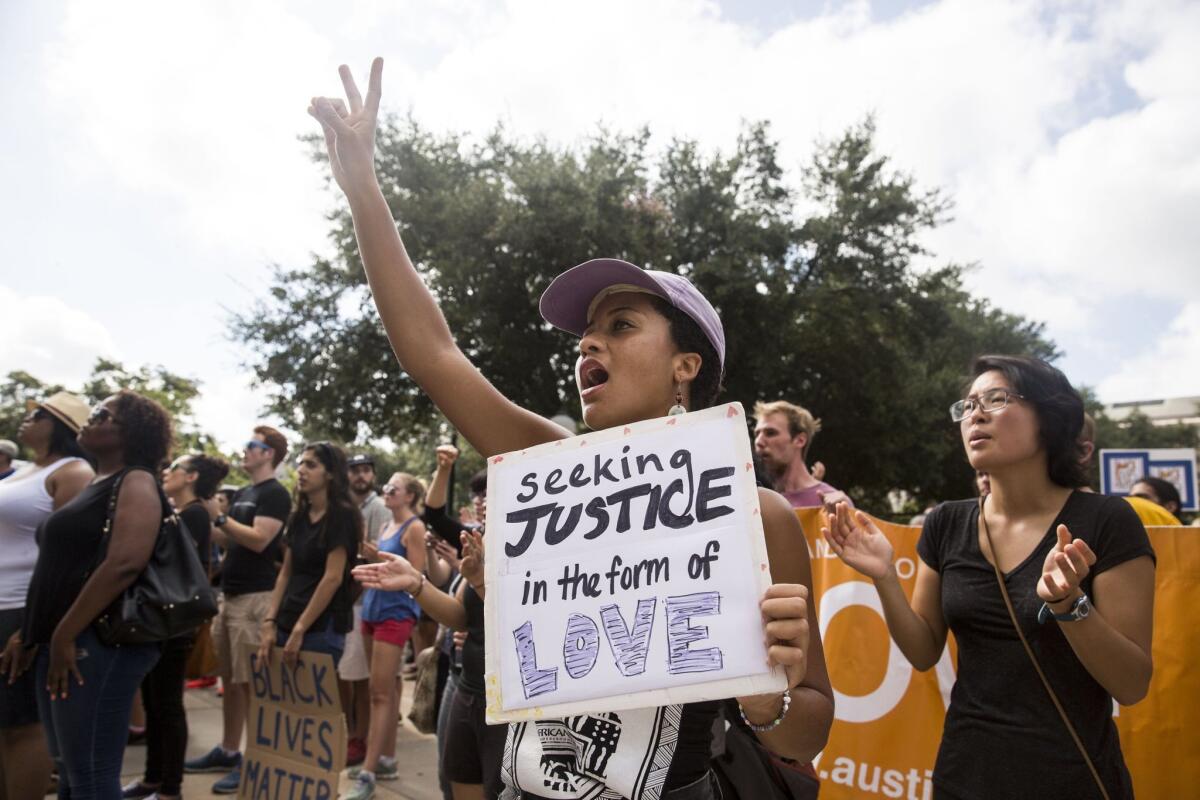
x=392, y=631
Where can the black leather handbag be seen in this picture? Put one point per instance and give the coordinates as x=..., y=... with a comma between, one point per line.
x=748, y=771
x=172, y=595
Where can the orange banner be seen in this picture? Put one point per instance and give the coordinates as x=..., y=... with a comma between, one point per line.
x=889, y=716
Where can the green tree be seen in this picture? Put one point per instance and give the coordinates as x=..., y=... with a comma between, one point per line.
x=830, y=312
x=17, y=388
x=175, y=392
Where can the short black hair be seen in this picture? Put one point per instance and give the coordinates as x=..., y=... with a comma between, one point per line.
x=478, y=483
x=144, y=429
x=1059, y=409
x=64, y=442
x=210, y=471
x=1164, y=490
x=690, y=339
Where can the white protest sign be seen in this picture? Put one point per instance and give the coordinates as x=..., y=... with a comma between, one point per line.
x=625, y=569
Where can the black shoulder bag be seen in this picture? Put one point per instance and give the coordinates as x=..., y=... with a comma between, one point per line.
x=171, y=596
x=747, y=770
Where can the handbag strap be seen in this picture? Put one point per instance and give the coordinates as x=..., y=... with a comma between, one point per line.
x=112, y=499
x=1012, y=615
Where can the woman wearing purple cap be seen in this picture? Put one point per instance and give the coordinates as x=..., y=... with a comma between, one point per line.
x=649, y=342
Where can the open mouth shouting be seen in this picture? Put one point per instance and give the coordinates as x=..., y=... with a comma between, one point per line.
x=593, y=377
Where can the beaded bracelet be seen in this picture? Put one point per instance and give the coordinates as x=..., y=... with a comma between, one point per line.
x=773, y=724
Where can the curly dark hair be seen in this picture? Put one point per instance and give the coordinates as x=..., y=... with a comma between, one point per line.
x=690, y=339
x=210, y=470
x=1059, y=409
x=144, y=429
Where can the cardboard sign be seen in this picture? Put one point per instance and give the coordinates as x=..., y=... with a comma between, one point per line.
x=296, y=737
x=625, y=569
x=1121, y=469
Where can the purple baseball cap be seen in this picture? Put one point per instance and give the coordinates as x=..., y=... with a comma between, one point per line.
x=570, y=299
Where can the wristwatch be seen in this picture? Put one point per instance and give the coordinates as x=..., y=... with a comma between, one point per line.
x=1079, y=610
x=221, y=520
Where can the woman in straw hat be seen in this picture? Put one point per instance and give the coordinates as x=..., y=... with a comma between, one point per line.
x=56, y=475
x=649, y=341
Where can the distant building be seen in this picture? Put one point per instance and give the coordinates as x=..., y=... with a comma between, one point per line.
x=1161, y=412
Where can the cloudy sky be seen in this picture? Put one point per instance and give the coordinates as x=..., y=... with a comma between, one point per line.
x=152, y=172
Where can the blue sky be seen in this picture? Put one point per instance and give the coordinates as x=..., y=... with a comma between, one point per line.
x=153, y=174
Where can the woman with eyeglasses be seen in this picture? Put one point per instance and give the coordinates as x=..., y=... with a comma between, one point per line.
x=388, y=619
x=311, y=606
x=187, y=482
x=86, y=687
x=1079, y=570
x=56, y=475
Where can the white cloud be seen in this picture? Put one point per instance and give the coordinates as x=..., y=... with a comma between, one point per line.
x=229, y=407
x=199, y=104
x=49, y=339
x=1166, y=368
x=1005, y=104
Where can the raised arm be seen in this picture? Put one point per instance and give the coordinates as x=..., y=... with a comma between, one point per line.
x=919, y=629
x=414, y=323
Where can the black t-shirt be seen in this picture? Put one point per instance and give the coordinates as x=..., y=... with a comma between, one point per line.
x=199, y=525
x=69, y=542
x=310, y=546
x=1003, y=736
x=244, y=571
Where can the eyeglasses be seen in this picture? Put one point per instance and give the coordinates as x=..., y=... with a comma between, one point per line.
x=100, y=414
x=989, y=402
x=255, y=444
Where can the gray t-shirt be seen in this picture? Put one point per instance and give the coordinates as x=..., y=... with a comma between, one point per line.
x=375, y=516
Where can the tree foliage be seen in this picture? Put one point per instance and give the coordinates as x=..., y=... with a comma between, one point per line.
x=175, y=392
x=829, y=311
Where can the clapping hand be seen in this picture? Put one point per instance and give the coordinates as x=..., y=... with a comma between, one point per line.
x=393, y=574
x=472, y=559
x=350, y=132
x=1066, y=565
x=858, y=542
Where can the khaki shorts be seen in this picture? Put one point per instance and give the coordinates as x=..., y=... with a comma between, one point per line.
x=238, y=625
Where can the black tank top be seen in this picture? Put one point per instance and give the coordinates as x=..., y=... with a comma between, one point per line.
x=471, y=677
x=69, y=542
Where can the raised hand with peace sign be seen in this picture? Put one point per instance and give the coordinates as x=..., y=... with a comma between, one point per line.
x=349, y=128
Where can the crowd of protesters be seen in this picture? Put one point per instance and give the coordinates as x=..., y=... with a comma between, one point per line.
x=1032, y=564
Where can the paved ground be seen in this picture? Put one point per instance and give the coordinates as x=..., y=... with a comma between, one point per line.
x=416, y=753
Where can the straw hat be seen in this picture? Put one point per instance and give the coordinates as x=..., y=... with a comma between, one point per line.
x=69, y=408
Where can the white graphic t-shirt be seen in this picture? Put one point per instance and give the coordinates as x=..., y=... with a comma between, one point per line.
x=616, y=754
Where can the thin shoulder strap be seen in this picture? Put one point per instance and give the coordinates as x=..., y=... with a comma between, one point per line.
x=1012, y=615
